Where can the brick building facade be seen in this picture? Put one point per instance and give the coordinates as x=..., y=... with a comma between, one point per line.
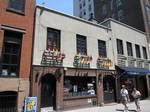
x=16, y=28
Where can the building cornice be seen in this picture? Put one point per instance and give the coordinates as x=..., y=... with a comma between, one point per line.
x=73, y=17
x=123, y=24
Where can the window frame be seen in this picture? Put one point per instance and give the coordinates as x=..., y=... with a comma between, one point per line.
x=58, y=40
x=15, y=10
x=129, y=49
x=120, y=49
x=84, y=46
x=145, y=56
x=81, y=85
x=100, y=53
x=137, y=51
x=10, y=64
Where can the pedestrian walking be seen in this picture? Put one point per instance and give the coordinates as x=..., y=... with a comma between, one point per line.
x=124, y=98
x=136, y=95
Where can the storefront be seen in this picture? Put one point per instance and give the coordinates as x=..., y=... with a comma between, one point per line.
x=47, y=86
x=133, y=77
x=109, y=89
x=80, y=87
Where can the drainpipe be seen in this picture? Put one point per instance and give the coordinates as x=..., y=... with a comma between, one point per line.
x=148, y=85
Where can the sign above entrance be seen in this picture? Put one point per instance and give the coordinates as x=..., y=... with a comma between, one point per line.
x=52, y=58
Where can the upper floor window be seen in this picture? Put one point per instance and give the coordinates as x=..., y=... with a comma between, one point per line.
x=102, y=48
x=16, y=5
x=11, y=54
x=90, y=7
x=104, y=10
x=120, y=15
x=80, y=15
x=120, y=47
x=137, y=49
x=119, y=3
x=83, y=3
x=84, y=12
x=81, y=45
x=144, y=53
x=80, y=6
x=129, y=49
x=53, y=39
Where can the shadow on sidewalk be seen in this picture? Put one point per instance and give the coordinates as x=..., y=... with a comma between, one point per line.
x=130, y=110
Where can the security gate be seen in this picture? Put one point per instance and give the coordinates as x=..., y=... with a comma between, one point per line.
x=8, y=101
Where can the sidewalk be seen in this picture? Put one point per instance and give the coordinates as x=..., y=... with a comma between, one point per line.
x=145, y=107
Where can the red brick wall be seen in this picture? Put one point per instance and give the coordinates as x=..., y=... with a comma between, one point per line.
x=24, y=22
x=78, y=102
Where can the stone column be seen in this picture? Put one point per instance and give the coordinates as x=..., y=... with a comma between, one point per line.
x=100, y=93
x=60, y=92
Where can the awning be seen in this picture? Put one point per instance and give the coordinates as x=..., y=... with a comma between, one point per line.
x=134, y=71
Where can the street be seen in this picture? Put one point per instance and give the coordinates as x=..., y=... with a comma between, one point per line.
x=145, y=107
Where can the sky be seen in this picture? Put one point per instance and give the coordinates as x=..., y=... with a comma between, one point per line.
x=64, y=6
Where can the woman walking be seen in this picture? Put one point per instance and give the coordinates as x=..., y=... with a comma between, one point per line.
x=136, y=95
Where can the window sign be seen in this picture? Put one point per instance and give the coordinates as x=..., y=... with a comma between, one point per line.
x=30, y=104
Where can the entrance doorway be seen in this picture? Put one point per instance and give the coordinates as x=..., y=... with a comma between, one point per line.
x=142, y=86
x=48, y=91
x=109, y=89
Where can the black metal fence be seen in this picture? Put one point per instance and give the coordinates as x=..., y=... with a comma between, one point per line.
x=8, y=103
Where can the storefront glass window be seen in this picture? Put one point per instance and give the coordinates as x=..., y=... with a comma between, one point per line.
x=77, y=86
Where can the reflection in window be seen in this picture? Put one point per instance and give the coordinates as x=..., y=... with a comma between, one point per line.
x=119, y=3
x=53, y=39
x=120, y=15
x=81, y=45
x=77, y=86
x=11, y=53
x=144, y=53
x=137, y=49
x=120, y=46
x=129, y=49
x=102, y=48
x=17, y=5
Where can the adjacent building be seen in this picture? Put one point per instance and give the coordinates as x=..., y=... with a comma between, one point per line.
x=16, y=28
x=83, y=9
x=131, y=52
x=145, y=6
x=70, y=61
x=134, y=13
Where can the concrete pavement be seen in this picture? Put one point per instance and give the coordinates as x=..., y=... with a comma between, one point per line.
x=145, y=107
